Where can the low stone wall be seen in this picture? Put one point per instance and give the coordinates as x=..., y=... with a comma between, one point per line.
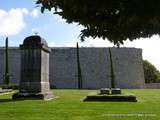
x=152, y=85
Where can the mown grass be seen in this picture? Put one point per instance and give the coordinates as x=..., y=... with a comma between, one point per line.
x=69, y=106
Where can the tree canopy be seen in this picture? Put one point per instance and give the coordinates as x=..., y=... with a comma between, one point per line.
x=116, y=20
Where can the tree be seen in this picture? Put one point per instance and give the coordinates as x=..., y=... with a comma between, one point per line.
x=79, y=69
x=111, y=69
x=116, y=20
x=151, y=74
x=6, y=75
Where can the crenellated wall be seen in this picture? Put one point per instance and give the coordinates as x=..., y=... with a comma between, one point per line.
x=95, y=67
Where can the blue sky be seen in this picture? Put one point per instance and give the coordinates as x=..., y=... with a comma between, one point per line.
x=21, y=18
x=49, y=26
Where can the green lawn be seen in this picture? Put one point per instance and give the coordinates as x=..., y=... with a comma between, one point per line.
x=69, y=106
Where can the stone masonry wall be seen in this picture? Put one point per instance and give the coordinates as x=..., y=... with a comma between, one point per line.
x=152, y=85
x=95, y=67
x=14, y=64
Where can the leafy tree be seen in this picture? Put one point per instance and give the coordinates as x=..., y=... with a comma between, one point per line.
x=79, y=69
x=7, y=75
x=151, y=74
x=116, y=20
x=111, y=69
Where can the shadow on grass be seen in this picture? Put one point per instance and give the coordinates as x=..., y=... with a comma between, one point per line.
x=8, y=100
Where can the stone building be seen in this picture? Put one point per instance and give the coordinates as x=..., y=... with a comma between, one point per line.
x=95, y=67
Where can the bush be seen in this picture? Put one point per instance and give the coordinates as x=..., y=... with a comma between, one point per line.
x=151, y=74
x=53, y=87
x=10, y=86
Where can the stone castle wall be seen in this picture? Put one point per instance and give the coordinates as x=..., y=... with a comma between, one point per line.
x=95, y=67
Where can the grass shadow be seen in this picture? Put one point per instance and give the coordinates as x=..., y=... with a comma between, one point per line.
x=8, y=100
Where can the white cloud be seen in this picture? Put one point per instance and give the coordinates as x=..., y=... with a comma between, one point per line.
x=150, y=48
x=71, y=44
x=12, y=22
x=35, y=30
x=35, y=13
x=52, y=44
x=90, y=42
x=96, y=43
x=12, y=43
x=25, y=11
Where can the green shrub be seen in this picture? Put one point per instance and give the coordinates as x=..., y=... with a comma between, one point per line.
x=151, y=74
x=53, y=87
x=10, y=86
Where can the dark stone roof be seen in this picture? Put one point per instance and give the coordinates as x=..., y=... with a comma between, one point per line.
x=34, y=42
